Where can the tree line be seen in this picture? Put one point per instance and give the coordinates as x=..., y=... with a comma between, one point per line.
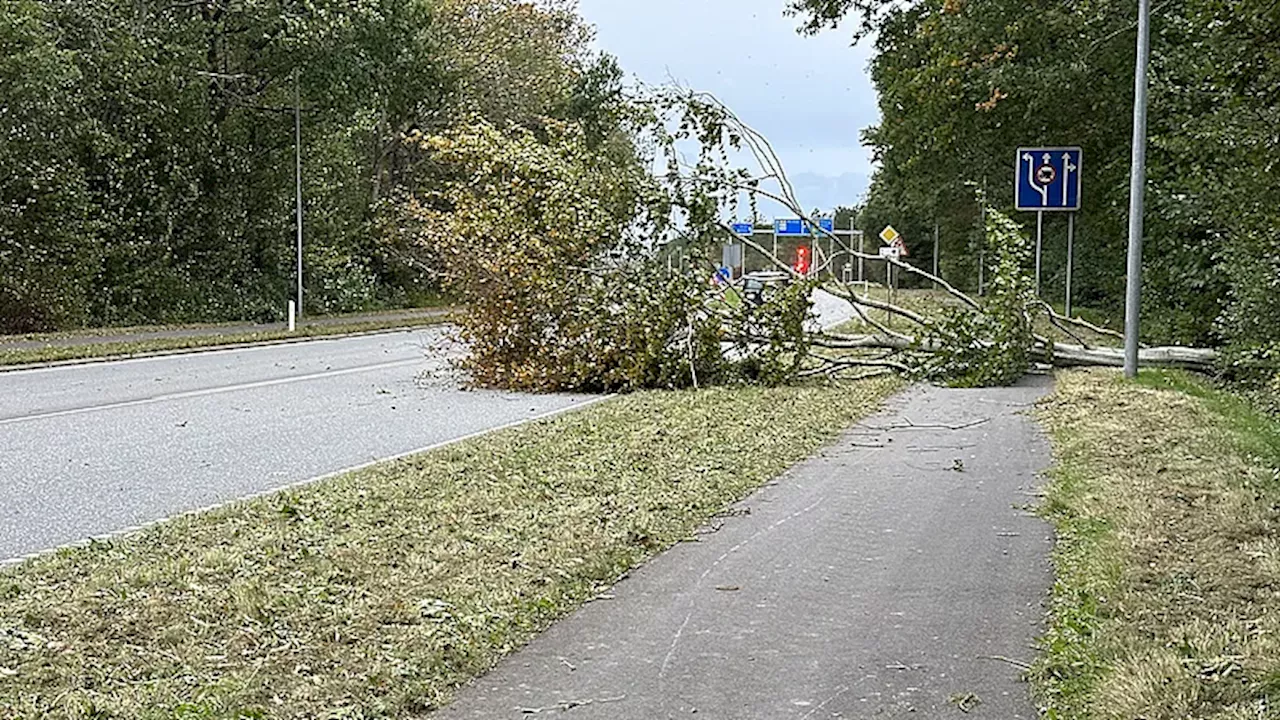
x=147, y=160
x=963, y=83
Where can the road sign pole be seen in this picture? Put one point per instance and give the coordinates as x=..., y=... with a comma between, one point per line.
x=1137, y=188
x=862, y=263
x=890, y=276
x=1039, y=246
x=1071, y=243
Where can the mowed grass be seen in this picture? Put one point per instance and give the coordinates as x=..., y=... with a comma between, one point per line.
x=374, y=595
x=119, y=349
x=1166, y=500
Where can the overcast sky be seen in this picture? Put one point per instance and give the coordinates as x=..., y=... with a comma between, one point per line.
x=809, y=95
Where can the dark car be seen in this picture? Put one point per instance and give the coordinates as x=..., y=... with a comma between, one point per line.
x=756, y=285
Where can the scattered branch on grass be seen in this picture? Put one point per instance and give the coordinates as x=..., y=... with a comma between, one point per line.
x=1081, y=323
x=829, y=365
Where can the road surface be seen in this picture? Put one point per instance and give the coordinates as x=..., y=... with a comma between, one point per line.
x=894, y=575
x=91, y=449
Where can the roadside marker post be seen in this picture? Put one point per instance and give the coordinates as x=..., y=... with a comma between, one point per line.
x=293, y=316
x=1048, y=180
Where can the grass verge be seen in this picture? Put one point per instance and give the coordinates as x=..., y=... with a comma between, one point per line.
x=375, y=594
x=1166, y=500
x=112, y=349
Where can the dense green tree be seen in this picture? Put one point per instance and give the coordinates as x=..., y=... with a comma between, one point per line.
x=44, y=214
x=149, y=155
x=963, y=83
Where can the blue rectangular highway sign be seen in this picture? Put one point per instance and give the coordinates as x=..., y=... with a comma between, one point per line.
x=796, y=226
x=1049, y=178
x=743, y=229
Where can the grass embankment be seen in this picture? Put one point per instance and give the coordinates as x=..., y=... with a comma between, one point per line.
x=375, y=594
x=1166, y=499
x=104, y=347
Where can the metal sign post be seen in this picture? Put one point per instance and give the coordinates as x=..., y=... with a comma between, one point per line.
x=1039, y=247
x=890, y=252
x=862, y=264
x=1048, y=180
x=1071, y=251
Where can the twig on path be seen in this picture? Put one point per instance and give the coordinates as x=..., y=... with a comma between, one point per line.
x=1003, y=659
x=568, y=705
x=908, y=425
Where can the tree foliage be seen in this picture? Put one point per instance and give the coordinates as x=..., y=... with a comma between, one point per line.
x=148, y=162
x=962, y=83
x=556, y=249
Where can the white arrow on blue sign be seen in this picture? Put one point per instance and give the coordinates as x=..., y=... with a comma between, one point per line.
x=796, y=226
x=1049, y=178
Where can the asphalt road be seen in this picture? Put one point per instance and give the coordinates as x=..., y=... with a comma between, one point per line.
x=894, y=575
x=89, y=450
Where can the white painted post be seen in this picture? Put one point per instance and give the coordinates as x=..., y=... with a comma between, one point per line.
x=293, y=316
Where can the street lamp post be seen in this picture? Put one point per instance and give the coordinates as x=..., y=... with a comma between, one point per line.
x=297, y=147
x=1137, y=188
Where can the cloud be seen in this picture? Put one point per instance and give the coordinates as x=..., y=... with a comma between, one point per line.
x=810, y=96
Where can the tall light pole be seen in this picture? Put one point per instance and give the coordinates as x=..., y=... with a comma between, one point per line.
x=1137, y=189
x=297, y=148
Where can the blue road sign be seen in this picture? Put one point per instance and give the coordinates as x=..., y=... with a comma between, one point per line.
x=1049, y=178
x=743, y=229
x=796, y=226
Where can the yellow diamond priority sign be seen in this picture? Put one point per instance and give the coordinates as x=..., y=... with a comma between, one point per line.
x=888, y=234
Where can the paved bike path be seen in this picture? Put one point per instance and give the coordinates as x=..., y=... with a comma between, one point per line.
x=897, y=574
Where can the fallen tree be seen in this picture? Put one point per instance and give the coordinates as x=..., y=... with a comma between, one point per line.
x=557, y=251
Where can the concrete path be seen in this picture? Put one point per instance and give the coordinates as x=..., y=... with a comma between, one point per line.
x=87, y=450
x=895, y=575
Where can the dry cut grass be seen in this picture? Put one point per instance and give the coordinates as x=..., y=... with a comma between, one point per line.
x=1167, y=505
x=374, y=595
